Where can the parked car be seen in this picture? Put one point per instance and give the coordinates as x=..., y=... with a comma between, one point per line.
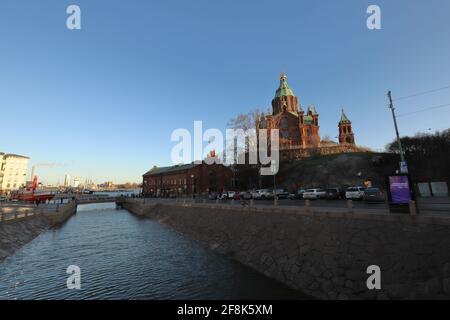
x=354, y=193
x=334, y=194
x=258, y=194
x=281, y=193
x=297, y=195
x=236, y=196
x=2, y=198
x=246, y=195
x=316, y=193
x=266, y=194
x=213, y=196
x=228, y=195
x=373, y=195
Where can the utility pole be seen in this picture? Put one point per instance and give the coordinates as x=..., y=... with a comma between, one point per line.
x=274, y=168
x=391, y=106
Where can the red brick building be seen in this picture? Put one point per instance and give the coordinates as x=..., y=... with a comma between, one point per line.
x=299, y=128
x=186, y=179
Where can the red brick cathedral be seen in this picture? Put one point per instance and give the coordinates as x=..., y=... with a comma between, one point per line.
x=299, y=128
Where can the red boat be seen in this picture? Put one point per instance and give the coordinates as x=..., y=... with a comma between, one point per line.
x=31, y=194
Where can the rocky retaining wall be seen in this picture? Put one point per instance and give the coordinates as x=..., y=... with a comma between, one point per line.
x=18, y=232
x=325, y=255
x=14, y=235
x=63, y=213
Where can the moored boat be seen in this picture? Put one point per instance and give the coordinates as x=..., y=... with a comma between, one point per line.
x=32, y=194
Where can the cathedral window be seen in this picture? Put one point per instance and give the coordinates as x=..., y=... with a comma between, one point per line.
x=285, y=134
x=284, y=123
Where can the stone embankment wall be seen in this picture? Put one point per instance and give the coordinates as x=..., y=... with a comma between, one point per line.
x=325, y=254
x=15, y=233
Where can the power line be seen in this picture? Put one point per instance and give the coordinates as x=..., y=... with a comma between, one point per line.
x=422, y=93
x=424, y=109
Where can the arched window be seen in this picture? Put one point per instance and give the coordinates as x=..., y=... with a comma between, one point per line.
x=285, y=134
x=284, y=123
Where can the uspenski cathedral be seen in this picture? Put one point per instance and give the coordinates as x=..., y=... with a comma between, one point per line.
x=299, y=127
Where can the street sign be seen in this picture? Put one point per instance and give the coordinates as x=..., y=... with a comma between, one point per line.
x=403, y=167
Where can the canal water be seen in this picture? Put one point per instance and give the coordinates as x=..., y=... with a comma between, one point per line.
x=122, y=256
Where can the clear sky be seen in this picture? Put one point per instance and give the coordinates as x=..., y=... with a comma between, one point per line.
x=101, y=102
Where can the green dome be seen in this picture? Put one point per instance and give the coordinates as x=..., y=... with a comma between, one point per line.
x=283, y=90
x=344, y=118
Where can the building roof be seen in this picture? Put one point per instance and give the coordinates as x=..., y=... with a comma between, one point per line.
x=283, y=90
x=171, y=169
x=308, y=119
x=344, y=118
x=12, y=155
x=328, y=143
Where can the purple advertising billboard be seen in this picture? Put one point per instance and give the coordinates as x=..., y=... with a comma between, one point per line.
x=399, y=187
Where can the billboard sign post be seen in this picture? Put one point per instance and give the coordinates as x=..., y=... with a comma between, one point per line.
x=400, y=193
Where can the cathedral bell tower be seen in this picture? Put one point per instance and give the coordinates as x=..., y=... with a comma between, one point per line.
x=284, y=100
x=346, y=135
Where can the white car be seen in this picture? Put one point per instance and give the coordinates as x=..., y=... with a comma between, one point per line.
x=314, y=194
x=227, y=195
x=255, y=194
x=266, y=194
x=260, y=194
x=354, y=193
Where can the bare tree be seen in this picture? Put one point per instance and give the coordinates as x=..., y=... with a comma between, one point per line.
x=246, y=121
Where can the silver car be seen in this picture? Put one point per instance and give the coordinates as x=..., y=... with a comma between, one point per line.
x=316, y=193
x=354, y=193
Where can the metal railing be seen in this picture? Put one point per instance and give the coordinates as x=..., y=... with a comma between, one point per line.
x=18, y=215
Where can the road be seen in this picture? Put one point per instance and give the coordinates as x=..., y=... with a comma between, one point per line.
x=426, y=205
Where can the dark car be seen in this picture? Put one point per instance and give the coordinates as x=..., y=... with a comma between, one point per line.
x=299, y=194
x=281, y=193
x=373, y=195
x=246, y=195
x=213, y=196
x=334, y=194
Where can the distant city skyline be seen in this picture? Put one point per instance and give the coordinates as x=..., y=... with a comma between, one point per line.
x=100, y=103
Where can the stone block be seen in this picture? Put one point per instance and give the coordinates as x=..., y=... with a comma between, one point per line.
x=343, y=296
x=303, y=280
x=338, y=281
x=433, y=287
x=446, y=269
x=446, y=286
x=398, y=291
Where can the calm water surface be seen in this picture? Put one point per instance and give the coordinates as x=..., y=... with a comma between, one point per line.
x=122, y=256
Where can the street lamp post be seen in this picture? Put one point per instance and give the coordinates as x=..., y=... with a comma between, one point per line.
x=391, y=106
x=193, y=185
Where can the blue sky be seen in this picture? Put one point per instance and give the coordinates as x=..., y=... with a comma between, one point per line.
x=102, y=101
